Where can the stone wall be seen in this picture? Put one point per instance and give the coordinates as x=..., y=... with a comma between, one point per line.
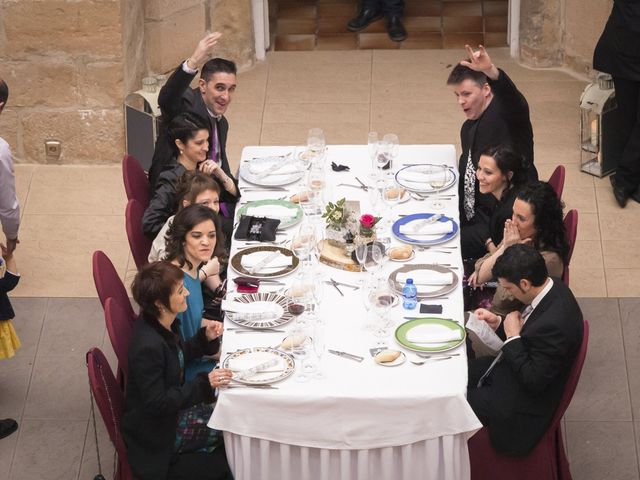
x=557, y=33
x=70, y=63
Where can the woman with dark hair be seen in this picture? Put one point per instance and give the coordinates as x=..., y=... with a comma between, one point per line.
x=537, y=221
x=500, y=174
x=164, y=421
x=192, y=246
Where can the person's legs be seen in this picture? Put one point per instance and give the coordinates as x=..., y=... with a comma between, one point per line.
x=370, y=11
x=7, y=427
x=201, y=466
x=393, y=10
x=626, y=179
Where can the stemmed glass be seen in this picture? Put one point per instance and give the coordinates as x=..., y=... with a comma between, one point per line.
x=373, y=145
x=437, y=180
x=376, y=256
x=319, y=347
x=392, y=145
x=315, y=143
x=297, y=297
x=382, y=299
x=303, y=242
x=300, y=352
x=391, y=197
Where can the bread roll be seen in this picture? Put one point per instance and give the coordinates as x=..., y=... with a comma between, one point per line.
x=387, y=356
x=293, y=341
x=296, y=198
x=395, y=192
x=401, y=253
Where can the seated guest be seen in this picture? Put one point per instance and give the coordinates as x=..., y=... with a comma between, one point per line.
x=496, y=114
x=192, y=187
x=164, y=425
x=192, y=246
x=516, y=393
x=536, y=221
x=500, y=174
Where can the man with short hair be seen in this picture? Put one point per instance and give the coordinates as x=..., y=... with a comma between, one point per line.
x=372, y=10
x=516, y=393
x=210, y=101
x=497, y=114
x=9, y=216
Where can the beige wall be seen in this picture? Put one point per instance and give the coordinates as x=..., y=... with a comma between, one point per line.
x=69, y=65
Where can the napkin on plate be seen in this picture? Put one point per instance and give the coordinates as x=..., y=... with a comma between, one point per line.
x=250, y=311
x=252, y=259
x=279, y=212
x=252, y=371
x=413, y=176
x=426, y=277
x=432, y=334
x=260, y=167
x=434, y=229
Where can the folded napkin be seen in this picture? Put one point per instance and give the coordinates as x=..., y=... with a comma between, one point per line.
x=250, y=311
x=435, y=229
x=426, y=277
x=414, y=176
x=432, y=334
x=252, y=371
x=261, y=167
x=279, y=212
x=281, y=261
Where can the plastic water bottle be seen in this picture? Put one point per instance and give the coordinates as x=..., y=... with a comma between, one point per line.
x=409, y=295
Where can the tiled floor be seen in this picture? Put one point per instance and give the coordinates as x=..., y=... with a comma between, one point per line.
x=321, y=25
x=70, y=211
x=45, y=388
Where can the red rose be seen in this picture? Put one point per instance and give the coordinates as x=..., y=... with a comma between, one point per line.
x=367, y=220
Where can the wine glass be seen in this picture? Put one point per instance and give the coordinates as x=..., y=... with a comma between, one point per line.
x=437, y=180
x=376, y=256
x=319, y=347
x=303, y=241
x=300, y=352
x=382, y=299
x=372, y=145
x=390, y=196
x=383, y=158
x=315, y=143
x=392, y=146
x=296, y=299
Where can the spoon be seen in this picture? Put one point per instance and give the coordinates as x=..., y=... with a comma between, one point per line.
x=422, y=361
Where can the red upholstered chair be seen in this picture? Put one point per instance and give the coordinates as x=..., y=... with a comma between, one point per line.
x=108, y=283
x=571, y=227
x=110, y=402
x=556, y=180
x=547, y=461
x=120, y=330
x=139, y=244
x=136, y=183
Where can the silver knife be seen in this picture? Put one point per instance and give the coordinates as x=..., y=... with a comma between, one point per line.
x=335, y=285
x=350, y=356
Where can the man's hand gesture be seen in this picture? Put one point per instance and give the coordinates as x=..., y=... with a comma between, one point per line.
x=480, y=61
x=202, y=53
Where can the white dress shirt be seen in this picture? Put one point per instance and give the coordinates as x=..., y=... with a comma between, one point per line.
x=9, y=207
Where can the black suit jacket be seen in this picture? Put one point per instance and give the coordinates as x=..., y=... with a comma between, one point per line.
x=176, y=96
x=156, y=392
x=504, y=122
x=618, y=50
x=520, y=396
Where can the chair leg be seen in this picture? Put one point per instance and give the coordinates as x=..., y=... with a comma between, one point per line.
x=563, y=464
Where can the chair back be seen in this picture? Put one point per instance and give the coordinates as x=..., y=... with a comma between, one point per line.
x=136, y=183
x=110, y=402
x=139, y=244
x=571, y=228
x=108, y=283
x=120, y=330
x=556, y=180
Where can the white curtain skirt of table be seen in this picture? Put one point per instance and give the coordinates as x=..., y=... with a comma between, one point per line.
x=442, y=458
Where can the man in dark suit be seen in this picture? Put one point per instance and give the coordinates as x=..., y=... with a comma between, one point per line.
x=497, y=115
x=210, y=101
x=618, y=53
x=372, y=10
x=516, y=393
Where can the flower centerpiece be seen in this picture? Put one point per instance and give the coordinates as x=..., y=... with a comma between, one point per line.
x=366, y=230
x=337, y=218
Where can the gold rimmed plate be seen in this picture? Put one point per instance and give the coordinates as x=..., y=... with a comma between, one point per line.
x=267, y=271
x=266, y=299
x=425, y=291
x=242, y=360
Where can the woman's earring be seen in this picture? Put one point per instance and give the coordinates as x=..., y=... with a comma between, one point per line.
x=181, y=152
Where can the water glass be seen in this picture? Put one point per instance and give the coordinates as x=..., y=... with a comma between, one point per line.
x=373, y=144
x=392, y=144
x=437, y=180
x=315, y=143
x=319, y=347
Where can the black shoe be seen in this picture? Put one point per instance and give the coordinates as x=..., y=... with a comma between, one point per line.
x=363, y=20
x=7, y=427
x=619, y=192
x=396, y=29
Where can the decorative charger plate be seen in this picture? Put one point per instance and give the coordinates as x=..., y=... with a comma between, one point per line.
x=425, y=291
x=274, y=178
x=439, y=325
x=236, y=262
x=262, y=298
x=250, y=357
x=405, y=177
x=276, y=203
x=431, y=239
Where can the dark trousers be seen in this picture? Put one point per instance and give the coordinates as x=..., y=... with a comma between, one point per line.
x=390, y=8
x=201, y=466
x=628, y=99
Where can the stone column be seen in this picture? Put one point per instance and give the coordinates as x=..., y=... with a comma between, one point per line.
x=541, y=35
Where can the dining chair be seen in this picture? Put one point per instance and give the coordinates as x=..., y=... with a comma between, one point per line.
x=571, y=228
x=120, y=330
x=556, y=180
x=547, y=461
x=110, y=402
x=136, y=183
x=108, y=283
x=139, y=244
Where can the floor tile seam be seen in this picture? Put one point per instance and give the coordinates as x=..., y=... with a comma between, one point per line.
x=626, y=365
x=264, y=100
x=84, y=445
x=23, y=208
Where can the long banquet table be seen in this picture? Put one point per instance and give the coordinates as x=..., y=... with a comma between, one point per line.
x=362, y=421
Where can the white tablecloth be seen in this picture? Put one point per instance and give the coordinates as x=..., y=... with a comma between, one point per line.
x=363, y=420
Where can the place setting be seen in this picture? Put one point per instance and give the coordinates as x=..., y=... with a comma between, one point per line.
x=272, y=171
x=425, y=228
x=431, y=280
x=288, y=213
x=264, y=261
x=426, y=178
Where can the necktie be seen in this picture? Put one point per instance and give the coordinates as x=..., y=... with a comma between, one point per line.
x=469, y=189
x=213, y=140
x=525, y=314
